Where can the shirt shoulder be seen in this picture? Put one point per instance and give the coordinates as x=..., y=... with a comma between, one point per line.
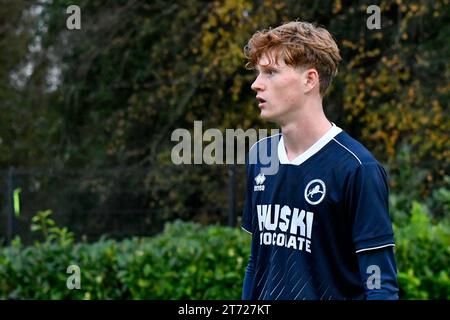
x=351, y=154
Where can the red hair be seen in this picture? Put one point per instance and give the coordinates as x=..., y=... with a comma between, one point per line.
x=301, y=44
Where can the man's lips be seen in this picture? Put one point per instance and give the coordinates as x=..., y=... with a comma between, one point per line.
x=260, y=100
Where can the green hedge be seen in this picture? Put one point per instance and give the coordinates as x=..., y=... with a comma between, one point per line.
x=423, y=256
x=188, y=261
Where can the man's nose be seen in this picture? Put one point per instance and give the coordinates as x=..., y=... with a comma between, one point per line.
x=257, y=85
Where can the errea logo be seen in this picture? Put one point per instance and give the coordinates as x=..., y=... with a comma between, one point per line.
x=315, y=191
x=260, y=178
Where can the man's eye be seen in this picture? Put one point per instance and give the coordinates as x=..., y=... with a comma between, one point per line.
x=268, y=72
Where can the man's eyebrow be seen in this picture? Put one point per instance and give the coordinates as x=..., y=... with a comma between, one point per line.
x=265, y=67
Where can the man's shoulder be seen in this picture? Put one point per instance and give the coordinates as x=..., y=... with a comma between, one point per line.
x=352, y=153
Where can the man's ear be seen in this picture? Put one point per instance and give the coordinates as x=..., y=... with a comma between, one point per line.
x=311, y=79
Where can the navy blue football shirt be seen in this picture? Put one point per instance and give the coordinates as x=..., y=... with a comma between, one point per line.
x=310, y=217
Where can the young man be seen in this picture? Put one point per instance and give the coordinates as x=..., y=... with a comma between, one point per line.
x=320, y=224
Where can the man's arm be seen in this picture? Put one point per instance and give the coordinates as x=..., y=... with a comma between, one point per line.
x=372, y=233
x=379, y=273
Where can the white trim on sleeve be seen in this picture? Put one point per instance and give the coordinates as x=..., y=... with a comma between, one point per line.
x=373, y=248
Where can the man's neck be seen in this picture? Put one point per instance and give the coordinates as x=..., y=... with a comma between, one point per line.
x=303, y=131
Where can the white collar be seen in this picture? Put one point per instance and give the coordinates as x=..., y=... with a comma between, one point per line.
x=319, y=144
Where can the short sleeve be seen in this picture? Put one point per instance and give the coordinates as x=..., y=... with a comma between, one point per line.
x=368, y=206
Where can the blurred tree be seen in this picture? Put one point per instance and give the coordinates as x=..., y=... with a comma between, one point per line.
x=27, y=123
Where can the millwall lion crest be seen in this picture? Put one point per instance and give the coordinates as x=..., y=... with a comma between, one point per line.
x=315, y=191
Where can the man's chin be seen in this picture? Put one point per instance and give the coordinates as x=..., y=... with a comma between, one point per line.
x=267, y=117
